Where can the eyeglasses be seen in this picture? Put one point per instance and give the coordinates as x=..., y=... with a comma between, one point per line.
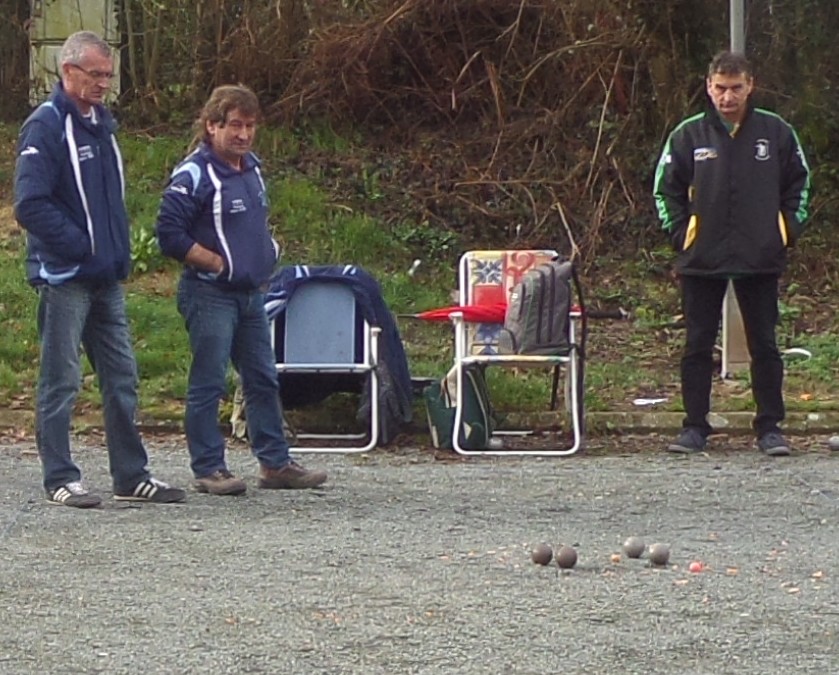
x=97, y=75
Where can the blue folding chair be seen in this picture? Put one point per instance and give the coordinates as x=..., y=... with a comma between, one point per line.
x=322, y=334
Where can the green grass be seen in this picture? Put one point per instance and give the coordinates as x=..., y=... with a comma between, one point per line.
x=314, y=228
x=19, y=350
x=317, y=231
x=161, y=348
x=317, y=226
x=148, y=163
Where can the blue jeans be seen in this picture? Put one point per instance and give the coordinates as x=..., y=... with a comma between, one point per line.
x=82, y=313
x=224, y=326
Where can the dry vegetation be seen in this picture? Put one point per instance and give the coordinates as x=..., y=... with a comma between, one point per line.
x=528, y=121
x=516, y=116
x=535, y=122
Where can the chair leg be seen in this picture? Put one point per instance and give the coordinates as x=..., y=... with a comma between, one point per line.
x=371, y=360
x=577, y=400
x=555, y=388
x=581, y=394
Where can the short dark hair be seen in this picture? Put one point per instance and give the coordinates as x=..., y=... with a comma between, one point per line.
x=730, y=63
x=224, y=100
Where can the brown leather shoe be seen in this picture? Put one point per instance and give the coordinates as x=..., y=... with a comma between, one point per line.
x=291, y=477
x=222, y=482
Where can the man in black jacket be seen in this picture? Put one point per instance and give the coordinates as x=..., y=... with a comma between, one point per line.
x=732, y=188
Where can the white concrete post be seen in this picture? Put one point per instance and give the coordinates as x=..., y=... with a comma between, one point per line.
x=735, y=350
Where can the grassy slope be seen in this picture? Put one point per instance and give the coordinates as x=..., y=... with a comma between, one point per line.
x=320, y=220
x=313, y=227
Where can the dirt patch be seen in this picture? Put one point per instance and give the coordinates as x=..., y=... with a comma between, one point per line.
x=9, y=229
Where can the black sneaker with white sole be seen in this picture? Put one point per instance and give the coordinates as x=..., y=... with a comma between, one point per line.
x=152, y=490
x=73, y=494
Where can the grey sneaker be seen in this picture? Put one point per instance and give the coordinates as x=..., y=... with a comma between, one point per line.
x=222, y=482
x=152, y=490
x=689, y=441
x=290, y=477
x=773, y=444
x=73, y=494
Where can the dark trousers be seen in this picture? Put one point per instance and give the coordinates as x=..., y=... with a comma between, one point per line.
x=702, y=299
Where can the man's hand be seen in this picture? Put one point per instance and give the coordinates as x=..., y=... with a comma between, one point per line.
x=204, y=259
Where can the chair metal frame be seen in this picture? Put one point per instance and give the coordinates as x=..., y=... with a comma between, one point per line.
x=367, y=365
x=465, y=357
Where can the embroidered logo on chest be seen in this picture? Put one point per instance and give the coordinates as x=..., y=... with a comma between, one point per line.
x=85, y=153
x=238, y=206
x=762, y=149
x=703, y=154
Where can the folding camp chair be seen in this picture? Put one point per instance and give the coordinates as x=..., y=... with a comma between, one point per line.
x=323, y=335
x=486, y=277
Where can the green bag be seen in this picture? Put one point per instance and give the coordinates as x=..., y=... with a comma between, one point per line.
x=478, y=419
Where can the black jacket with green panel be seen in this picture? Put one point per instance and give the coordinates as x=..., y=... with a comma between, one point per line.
x=732, y=199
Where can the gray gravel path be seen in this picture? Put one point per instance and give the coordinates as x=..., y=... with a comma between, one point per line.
x=406, y=564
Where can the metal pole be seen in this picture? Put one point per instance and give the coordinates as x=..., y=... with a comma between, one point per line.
x=738, y=32
x=735, y=352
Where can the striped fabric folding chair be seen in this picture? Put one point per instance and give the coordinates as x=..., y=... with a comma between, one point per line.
x=486, y=278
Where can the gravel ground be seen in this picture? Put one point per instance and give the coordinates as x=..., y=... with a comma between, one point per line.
x=409, y=564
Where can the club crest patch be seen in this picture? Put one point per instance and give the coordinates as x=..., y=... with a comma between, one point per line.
x=762, y=149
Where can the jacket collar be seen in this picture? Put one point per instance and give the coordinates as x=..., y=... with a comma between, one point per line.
x=718, y=120
x=249, y=162
x=66, y=105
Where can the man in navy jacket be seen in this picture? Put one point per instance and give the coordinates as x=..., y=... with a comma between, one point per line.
x=733, y=190
x=214, y=219
x=69, y=197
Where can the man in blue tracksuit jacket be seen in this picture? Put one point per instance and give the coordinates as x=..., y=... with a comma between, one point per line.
x=733, y=190
x=69, y=197
x=214, y=218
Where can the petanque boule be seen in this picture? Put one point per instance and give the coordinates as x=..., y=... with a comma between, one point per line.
x=566, y=557
x=634, y=547
x=541, y=554
x=659, y=554
x=833, y=443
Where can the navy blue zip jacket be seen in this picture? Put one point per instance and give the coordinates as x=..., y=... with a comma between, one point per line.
x=225, y=210
x=733, y=201
x=69, y=194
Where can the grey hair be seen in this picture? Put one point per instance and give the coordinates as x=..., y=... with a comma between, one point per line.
x=75, y=45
